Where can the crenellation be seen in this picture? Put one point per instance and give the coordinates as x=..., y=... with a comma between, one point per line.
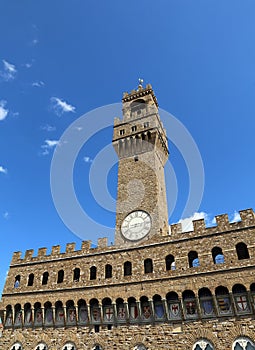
x=199, y=229
x=85, y=246
x=117, y=121
x=247, y=217
x=55, y=250
x=16, y=257
x=42, y=252
x=29, y=254
x=175, y=229
x=102, y=242
x=222, y=222
x=199, y=226
x=70, y=247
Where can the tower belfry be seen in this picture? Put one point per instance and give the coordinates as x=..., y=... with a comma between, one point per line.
x=140, y=142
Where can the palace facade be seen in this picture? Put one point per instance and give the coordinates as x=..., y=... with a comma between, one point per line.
x=155, y=288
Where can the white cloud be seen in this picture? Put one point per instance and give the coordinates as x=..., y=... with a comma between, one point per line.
x=48, y=144
x=51, y=143
x=59, y=106
x=3, y=170
x=9, y=71
x=48, y=127
x=3, y=110
x=235, y=217
x=6, y=215
x=87, y=159
x=9, y=67
x=14, y=114
x=38, y=83
x=187, y=224
x=28, y=65
x=35, y=41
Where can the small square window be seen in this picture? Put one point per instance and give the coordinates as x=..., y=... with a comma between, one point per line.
x=146, y=124
x=134, y=128
x=122, y=132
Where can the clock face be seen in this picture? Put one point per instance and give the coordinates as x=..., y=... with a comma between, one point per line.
x=136, y=225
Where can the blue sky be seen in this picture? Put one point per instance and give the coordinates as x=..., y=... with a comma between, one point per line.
x=62, y=59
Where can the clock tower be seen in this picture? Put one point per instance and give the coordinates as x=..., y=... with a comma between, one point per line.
x=140, y=142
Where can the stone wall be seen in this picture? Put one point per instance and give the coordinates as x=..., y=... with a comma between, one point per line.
x=181, y=336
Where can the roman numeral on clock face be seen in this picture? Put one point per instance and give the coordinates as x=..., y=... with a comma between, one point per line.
x=136, y=225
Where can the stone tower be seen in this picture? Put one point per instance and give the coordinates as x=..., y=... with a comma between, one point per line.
x=141, y=144
x=187, y=291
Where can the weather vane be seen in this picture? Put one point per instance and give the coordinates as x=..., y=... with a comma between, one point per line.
x=140, y=82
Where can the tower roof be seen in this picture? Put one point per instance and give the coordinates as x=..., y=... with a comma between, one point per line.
x=139, y=93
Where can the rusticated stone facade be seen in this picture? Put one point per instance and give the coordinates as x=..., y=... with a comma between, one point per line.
x=179, y=285
x=168, y=290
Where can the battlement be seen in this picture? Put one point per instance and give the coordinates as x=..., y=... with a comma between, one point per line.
x=139, y=93
x=176, y=233
x=222, y=225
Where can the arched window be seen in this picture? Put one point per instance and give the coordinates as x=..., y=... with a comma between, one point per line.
x=121, y=310
x=159, y=311
x=148, y=266
x=82, y=312
x=8, y=319
x=16, y=346
x=95, y=311
x=252, y=288
x=41, y=346
x=38, y=316
x=241, y=298
x=59, y=313
x=27, y=315
x=223, y=300
x=108, y=271
x=170, y=263
x=97, y=347
x=174, y=306
x=193, y=259
x=45, y=278
x=189, y=302
x=17, y=281
x=206, y=302
x=146, y=312
x=30, y=279
x=133, y=309
x=93, y=273
x=140, y=347
x=76, y=274
x=243, y=343
x=217, y=255
x=60, y=276
x=108, y=311
x=203, y=344
x=48, y=314
x=137, y=107
x=70, y=313
x=242, y=251
x=127, y=268
x=18, y=315
x=69, y=346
